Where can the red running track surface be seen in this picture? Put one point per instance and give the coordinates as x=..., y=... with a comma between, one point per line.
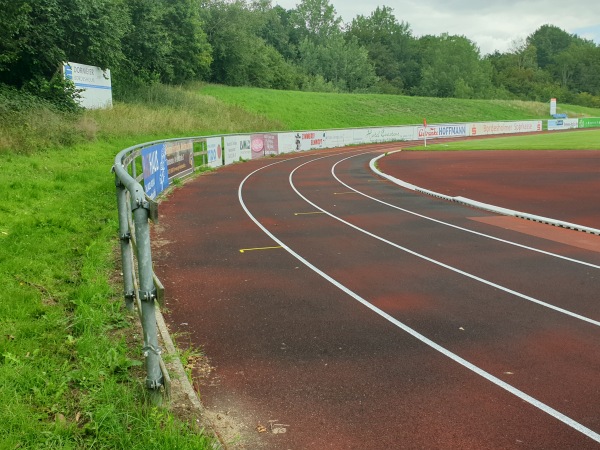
x=443, y=329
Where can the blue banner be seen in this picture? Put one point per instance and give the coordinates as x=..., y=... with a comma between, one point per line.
x=156, y=174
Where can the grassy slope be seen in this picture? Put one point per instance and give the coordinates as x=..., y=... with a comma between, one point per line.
x=308, y=110
x=69, y=378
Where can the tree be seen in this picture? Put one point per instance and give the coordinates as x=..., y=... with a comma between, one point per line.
x=452, y=67
x=240, y=56
x=549, y=41
x=391, y=48
x=316, y=20
x=344, y=64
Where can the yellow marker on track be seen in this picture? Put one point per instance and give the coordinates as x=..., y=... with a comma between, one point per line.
x=242, y=250
x=344, y=193
x=308, y=213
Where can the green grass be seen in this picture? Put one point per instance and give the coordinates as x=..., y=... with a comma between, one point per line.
x=70, y=372
x=564, y=140
x=70, y=378
x=308, y=110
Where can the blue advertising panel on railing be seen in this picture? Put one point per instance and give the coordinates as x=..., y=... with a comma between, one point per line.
x=156, y=174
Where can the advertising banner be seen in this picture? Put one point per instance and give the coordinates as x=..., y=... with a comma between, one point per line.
x=552, y=106
x=442, y=131
x=180, y=158
x=488, y=128
x=214, y=152
x=339, y=138
x=156, y=175
x=237, y=148
x=287, y=142
x=593, y=122
x=264, y=145
x=391, y=134
x=563, y=124
x=310, y=140
x=94, y=83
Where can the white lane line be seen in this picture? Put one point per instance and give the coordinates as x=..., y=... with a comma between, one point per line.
x=504, y=241
x=435, y=261
x=463, y=362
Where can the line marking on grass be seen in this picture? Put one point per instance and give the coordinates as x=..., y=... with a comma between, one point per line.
x=244, y=250
x=308, y=213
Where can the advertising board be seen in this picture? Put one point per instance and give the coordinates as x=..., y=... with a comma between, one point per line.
x=155, y=168
x=180, y=158
x=214, y=152
x=488, y=128
x=237, y=148
x=593, y=122
x=93, y=82
x=442, y=131
x=563, y=124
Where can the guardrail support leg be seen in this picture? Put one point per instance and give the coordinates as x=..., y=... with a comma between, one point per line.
x=125, y=237
x=154, y=379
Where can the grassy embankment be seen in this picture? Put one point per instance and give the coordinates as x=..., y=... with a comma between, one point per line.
x=70, y=372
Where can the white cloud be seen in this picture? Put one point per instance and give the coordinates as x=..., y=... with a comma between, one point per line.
x=492, y=25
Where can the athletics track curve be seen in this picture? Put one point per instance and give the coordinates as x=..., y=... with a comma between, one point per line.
x=408, y=322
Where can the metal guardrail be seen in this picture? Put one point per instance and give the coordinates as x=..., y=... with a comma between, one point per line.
x=142, y=288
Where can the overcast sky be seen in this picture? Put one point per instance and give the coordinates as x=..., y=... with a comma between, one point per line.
x=492, y=24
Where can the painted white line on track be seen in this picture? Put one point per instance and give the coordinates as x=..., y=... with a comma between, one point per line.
x=463, y=362
x=504, y=241
x=439, y=263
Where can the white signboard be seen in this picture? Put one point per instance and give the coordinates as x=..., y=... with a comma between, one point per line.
x=487, y=128
x=214, y=152
x=236, y=148
x=94, y=83
x=442, y=131
x=563, y=124
x=287, y=142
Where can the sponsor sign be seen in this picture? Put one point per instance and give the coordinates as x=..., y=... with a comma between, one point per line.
x=264, y=145
x=180, y=158
x=287, y=142
x=310, y=140
x=563, y=124
x=236, y=148
x=488, y=128
x=593, y=122
x=442, y=131
x=156, y=175
x=339, y=138
x=94, y=83
x=214, y=152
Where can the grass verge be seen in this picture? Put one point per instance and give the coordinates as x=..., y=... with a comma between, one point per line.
x=71, y=376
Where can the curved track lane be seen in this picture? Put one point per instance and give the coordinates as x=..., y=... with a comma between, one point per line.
x=385, y=323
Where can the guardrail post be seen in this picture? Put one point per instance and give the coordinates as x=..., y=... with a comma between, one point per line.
x=126, y=250
x=154, y=379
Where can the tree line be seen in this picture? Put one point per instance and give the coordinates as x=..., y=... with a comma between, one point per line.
x=253, y=43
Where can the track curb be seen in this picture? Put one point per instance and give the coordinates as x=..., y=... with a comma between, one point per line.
x=479, y=205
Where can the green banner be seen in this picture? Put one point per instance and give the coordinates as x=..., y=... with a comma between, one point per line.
x=593, y=122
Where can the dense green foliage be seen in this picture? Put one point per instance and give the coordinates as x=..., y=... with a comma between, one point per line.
x=253, y=43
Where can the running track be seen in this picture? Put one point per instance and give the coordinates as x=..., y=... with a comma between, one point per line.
x=388, y=319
